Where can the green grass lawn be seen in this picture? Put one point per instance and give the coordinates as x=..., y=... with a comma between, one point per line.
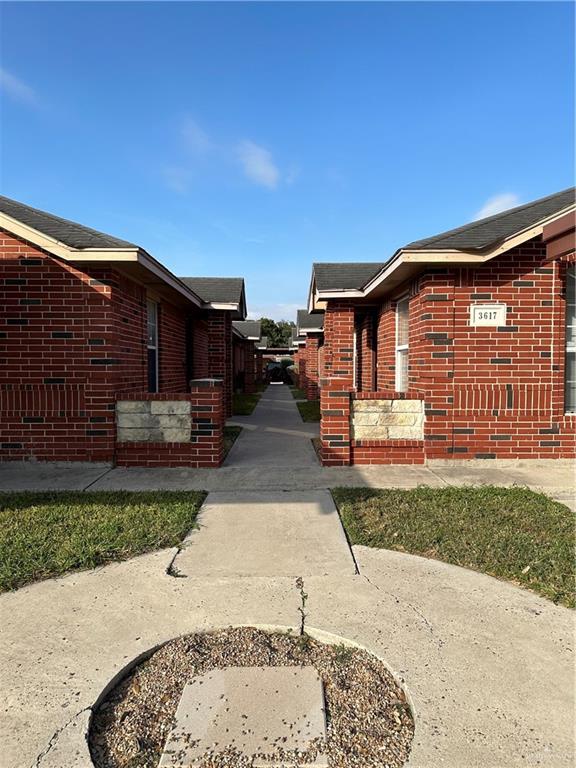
x=243, y=404
x=298, y=394
x=47, y=534
x=511, y=533
x=309, y=410
x=231, y=434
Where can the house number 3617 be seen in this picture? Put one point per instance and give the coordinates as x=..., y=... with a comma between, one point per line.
x=487, y=314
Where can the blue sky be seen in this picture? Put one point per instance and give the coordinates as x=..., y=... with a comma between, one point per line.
x=253, y=139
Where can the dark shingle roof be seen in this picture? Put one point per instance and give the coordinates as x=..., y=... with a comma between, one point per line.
x=248, y=328
x=223, y=290
x=307, y=321
x=489, y=231
x=68, y=232
x=296, y=337
x=344, y=276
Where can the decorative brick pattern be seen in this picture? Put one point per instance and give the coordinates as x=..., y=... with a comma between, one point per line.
x=312, y=360
x=488, y=392
x=72, y=341
x=160, y=419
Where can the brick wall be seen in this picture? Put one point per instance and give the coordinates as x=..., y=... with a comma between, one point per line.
x=220, y=364
x=312, y=351
x=172, y=349
x=199, y=343
x=55, y=377
x=205, y=418
x=335, y=389
x=71, y=340
x=489, y=392
x=365, y=350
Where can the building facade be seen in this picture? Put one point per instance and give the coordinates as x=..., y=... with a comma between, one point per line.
x=106, y=355
x=462, y=346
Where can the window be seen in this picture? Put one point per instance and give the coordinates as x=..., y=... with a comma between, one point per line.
x=152, y=308
x=570, y=367
x=402, y=344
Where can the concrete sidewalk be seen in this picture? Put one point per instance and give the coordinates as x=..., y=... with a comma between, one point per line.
x=555, y=478
x=250, y=533
x=274, y=435
x=488, y=667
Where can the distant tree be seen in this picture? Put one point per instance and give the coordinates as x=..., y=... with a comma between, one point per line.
x=278, y=333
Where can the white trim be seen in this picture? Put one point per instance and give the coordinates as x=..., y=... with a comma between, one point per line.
x=129, y=254
x=400, y=347
x=222, y=305
x=155, y=346
x=443, y=256
x=306, y=331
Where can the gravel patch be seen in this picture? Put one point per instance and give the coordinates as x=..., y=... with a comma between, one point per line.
x=369, y=720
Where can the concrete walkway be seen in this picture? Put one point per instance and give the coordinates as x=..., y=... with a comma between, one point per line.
x=274, y=435
x=488, y=667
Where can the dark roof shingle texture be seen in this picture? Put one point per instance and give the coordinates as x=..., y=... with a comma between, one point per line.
x=344, y=276
x=68, y=232
x=248, y=328
x=486, y=232
x=222, y=290
x=307, y=321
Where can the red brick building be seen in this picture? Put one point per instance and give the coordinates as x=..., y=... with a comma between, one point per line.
x=310, y=339
x=106, y=355
x=246, y=336
x=461, y=346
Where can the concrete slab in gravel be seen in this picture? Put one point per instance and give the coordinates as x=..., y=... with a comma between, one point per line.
x=63, y=640
x=292, y=533
x=488, y=667
x=254, y=710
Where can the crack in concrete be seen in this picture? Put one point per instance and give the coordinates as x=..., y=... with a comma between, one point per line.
x=98, y=478
x=56, y=735
x=302, y=606
x=413, y=608
x=171, y=569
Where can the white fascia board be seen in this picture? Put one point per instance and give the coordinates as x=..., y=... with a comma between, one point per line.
x=221, y=305
x=67, y=253
x=444, y=256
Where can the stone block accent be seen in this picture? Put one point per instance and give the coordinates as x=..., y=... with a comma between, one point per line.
x=172, y=429
x=159, y=422
x=170, y=407
x=387, y=419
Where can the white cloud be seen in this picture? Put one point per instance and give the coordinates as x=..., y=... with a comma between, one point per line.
x=196, y=140
x=258, y=165
x=17, y=89
x=497, y=204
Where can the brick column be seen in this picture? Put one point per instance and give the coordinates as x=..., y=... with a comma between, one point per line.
x=249, y=368
x=220, y=364
x=172, y=429
x=312, y=344
x=336, y=387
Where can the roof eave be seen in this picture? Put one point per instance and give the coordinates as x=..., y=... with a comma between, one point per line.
x=68, y=253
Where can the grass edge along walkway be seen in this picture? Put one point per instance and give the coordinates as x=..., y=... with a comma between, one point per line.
x=513, y=534
x=47, y=534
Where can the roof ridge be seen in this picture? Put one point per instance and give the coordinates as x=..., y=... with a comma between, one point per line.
x=56, y=218
x=481, y=222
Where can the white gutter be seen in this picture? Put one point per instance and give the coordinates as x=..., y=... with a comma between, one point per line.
x=441, y=256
